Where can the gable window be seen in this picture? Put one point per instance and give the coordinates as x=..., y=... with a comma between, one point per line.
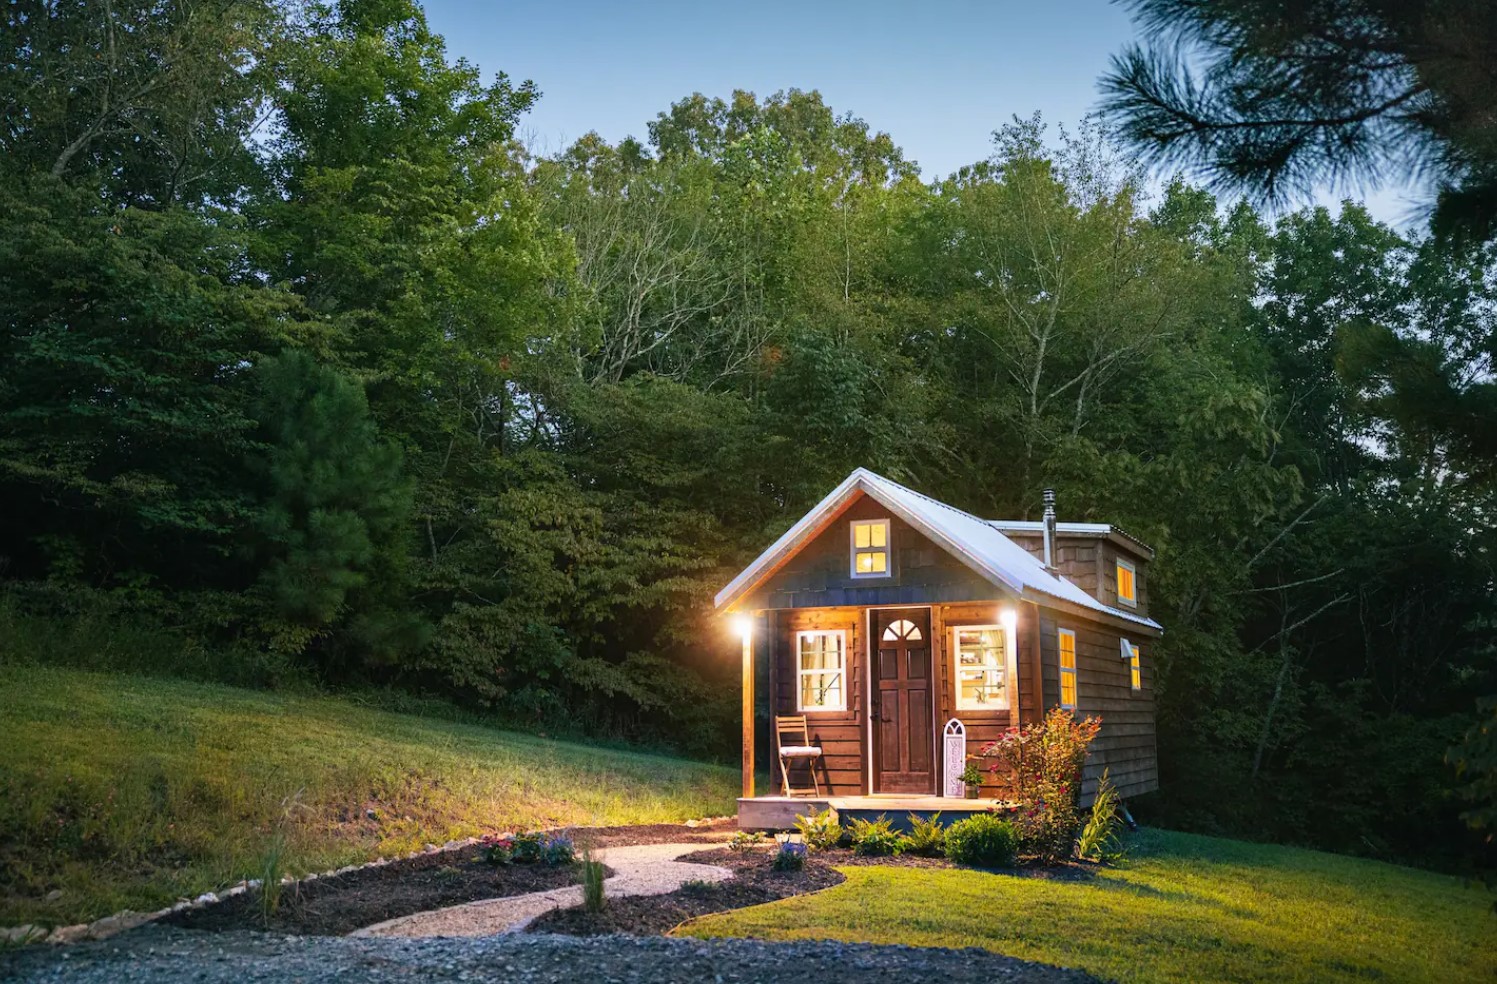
x=870, y=548
x=822, y=671
x=1135, y=666
x=982, y=667
x=1067, y=640
x=1127, y=584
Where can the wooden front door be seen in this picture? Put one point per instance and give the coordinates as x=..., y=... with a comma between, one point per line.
x=903, y=738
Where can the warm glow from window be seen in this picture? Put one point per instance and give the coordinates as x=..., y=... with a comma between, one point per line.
x=822, y=671
x=1127, y=583
x=982, y=667
x=1067, y=669
x=1135, y=665
x=870, y=548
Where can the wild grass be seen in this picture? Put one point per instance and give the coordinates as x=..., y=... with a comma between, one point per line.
x=1183, y=908
x=593, y=873
x=124, y=792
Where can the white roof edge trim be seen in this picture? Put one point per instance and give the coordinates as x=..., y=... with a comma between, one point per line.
x=787, y=539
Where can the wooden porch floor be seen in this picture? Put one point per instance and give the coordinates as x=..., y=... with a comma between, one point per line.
x=779, y=812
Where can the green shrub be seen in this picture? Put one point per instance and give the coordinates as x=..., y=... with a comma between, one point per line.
x=983, y=840
x=926, y=838
x=821, y=831
x=1099, y=837
x=745, y=841
x=876, y=838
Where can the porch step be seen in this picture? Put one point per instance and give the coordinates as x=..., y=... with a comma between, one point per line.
x=779, y=812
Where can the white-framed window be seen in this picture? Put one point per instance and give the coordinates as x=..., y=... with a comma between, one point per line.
x=1127, y=584
x=870, y=548
x=985, y=656
x=1067, y=645
x=821, y=678
x=1135, y=665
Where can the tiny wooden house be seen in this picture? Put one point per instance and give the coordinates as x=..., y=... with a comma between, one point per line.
x=910, y=633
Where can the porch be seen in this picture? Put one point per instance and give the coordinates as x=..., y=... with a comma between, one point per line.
x=779, y=812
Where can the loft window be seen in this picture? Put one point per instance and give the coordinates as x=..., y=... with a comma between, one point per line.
x=1127, y=584
x=870, y=548
x=1067, y=669
x=822, y=665
x=981, y=653
x=1135, y=665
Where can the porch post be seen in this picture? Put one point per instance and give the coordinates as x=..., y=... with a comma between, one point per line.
x=748, y=706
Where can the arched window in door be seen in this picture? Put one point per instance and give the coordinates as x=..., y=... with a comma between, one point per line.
x=902, y=628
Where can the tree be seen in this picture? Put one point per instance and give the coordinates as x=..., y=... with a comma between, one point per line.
x=331, y=523
x=149, y=101
x=123, y=387
x=1291, y=95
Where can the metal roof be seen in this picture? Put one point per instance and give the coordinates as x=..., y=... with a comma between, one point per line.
x=1104, y=531
x=976, y=542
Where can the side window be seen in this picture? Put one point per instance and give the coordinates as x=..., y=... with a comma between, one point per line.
x=1067, y=669
x=870, y=548
x=1127, y=584
x=1135, y=666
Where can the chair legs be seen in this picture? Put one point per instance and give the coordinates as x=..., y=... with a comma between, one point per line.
x=790, y=790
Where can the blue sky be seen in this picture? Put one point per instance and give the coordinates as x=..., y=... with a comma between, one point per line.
x=939, y=76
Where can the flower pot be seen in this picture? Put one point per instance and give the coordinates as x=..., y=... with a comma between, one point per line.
x=974, y=792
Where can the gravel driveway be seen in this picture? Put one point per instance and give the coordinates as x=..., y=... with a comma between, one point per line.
x=166, y=954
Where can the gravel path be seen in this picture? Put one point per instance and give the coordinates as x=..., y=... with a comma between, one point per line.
x=638, y=869
x=159, y=953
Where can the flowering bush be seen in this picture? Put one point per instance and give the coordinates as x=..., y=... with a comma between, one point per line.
x=496, y=850
x=1044, y=762
x=790, y=857
x=533, y=847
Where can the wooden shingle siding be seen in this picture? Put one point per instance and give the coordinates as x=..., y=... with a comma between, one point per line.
x=839, y=733
x=819, y=575
x=1126, y=745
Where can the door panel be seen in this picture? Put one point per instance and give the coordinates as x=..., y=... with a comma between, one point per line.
x=904, y=756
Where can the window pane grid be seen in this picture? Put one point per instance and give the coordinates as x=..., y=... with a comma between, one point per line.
x=822, y=657
x=1067, y=641
x=870, y=547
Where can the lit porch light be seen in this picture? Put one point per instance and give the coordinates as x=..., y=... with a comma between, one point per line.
x=743, y=625
x=1008, y=618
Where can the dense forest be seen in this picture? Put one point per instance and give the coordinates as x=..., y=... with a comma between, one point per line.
x=313, y=375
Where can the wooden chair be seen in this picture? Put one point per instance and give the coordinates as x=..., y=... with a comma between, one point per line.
x=793, y=738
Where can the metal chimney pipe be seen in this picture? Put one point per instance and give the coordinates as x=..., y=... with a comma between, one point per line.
x=1050, y=529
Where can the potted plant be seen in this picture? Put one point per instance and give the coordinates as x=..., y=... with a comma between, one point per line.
x=971, y=777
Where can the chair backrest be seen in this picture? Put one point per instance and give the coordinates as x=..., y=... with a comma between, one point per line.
x=791, y=729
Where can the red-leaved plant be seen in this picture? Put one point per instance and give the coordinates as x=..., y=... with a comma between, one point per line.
x=1043, y=763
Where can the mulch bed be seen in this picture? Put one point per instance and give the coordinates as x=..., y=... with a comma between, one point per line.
x=340, y=904
x=754, y=883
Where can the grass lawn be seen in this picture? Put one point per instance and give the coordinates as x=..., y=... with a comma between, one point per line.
x=128, y=792
x=1182, y=908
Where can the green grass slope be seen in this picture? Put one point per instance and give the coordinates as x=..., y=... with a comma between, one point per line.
x=129, y=792
x=1182, y=908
